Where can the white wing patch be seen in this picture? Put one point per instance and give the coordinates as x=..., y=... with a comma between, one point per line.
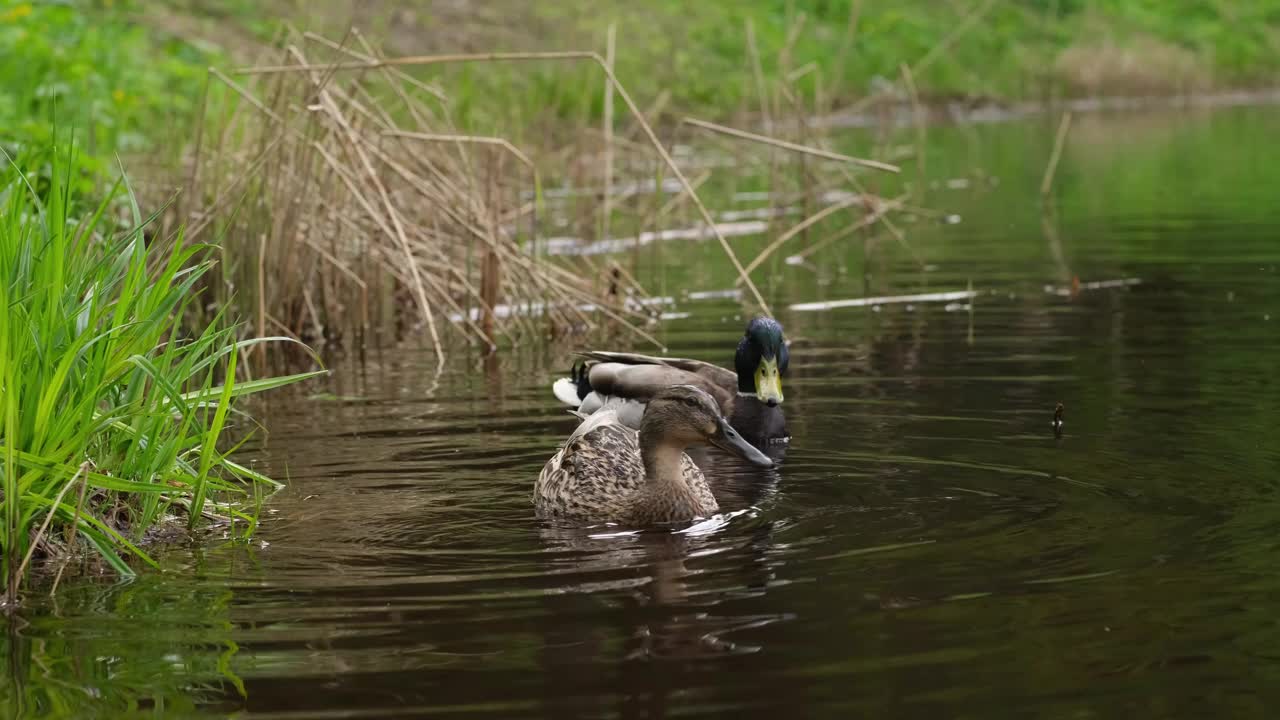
x=566, y=391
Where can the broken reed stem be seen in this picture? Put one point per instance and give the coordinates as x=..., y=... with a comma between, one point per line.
x=679, y=197
x=846, y=44
x=526, y=56
x=44, y=527
x=470, y=139
x=1064, y=125
x=867, y=220
x=917, y=114
x=795, y=147
x=606, y=210
x=801, y=227
x=757, y=71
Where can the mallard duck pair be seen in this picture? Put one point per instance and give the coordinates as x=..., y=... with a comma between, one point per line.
x=626, y=462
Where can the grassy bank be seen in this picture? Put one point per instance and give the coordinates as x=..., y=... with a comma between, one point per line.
x=696, y=58
x=132, y=73
x=116, y=87
x=112, y=412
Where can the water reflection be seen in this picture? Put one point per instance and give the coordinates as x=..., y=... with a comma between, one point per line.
x=121, y=647
x=927, y=544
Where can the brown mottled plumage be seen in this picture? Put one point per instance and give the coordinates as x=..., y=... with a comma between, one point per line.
x=608, y=472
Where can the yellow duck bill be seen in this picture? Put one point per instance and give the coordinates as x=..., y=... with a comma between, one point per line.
x=769, y=382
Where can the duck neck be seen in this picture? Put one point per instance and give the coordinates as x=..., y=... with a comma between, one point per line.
x=663, y=459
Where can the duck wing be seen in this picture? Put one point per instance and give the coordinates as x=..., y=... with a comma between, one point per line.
x=712, y=373
x=641, y=382
x=594, y=475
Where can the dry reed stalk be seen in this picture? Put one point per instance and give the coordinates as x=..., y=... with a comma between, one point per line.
x=846, y=44
x=533, y=56
x=801, y=227
x=470, y=139
x=1059, y=140
x=360, y=124
x=44, y=528
x=794, y=147
x=606, y=210
x=888, y=224
x=355, y=139
x=918, y=119
x=678, y=199
x=883, y=208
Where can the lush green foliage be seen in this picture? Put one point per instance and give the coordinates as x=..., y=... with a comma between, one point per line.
x=112, y=80
x=110, y=411
x=699, y=52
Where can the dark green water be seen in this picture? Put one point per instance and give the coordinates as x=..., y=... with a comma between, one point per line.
x=928, y=549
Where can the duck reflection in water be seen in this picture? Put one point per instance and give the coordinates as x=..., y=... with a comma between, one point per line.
x=660, y=600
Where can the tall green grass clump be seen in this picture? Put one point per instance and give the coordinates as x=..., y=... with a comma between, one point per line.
x=111, y=410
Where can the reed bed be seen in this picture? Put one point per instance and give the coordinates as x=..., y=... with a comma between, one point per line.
x=347, y=201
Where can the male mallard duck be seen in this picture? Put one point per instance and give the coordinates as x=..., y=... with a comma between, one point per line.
x=749, y=397
x=609, y=472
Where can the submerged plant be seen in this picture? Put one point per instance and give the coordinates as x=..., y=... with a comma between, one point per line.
x=111, y=410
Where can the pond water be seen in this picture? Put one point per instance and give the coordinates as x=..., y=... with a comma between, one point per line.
x=928, y=548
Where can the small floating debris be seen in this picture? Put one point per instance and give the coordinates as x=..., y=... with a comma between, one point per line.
x=673, y=316
x=1076, y=286
x=669, y=186
x=885, y=300
x=954, y=306
x=573, y=246
x=958, y=183
x=952, y=219
x=536, y=309
x=763, y=213
x=731, y=294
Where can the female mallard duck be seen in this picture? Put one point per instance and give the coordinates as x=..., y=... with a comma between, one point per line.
x=609, y=472
x=749, y=397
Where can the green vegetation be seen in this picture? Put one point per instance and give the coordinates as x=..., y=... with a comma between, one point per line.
x=122, y=89
x=111, y=411
x=58, y=667
x=699, y=55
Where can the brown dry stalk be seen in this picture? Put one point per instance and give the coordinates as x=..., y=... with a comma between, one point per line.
x=44, y=527
x=757, y=72
x=870, y=219
x=606, y=210
x=471, y=139
x=801, y=227
x=917, y=116
x=794, y=147
x=1064, y=126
